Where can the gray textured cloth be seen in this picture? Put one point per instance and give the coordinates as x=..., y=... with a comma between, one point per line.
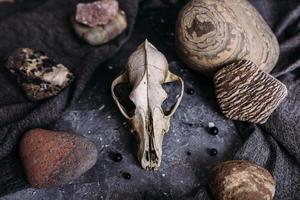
x=43, y=25
x=274, y=145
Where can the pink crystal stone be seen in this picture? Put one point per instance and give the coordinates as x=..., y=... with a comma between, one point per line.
x=96, y=13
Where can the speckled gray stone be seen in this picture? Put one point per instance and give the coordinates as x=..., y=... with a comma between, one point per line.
x=40, y=76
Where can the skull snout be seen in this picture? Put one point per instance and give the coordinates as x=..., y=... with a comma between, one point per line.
x=150, y=135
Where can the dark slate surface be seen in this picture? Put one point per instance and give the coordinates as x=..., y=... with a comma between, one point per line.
x=97, y=117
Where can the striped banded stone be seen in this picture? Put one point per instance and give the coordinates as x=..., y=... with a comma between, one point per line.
x=213, y=33
x=246, y=93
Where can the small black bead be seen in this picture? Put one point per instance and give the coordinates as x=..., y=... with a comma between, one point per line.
x=213, y=152
x=213, y=130
x=126, y=175
x=190, y=91
x=117, y=157
x=188, y=153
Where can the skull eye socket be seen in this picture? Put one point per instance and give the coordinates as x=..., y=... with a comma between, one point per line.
x=173, y=90
x=122, y=92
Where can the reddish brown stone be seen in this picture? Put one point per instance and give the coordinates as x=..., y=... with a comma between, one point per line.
x=97, y=13
x=52, y=158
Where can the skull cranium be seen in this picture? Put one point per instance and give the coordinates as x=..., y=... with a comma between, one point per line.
x=146, y=72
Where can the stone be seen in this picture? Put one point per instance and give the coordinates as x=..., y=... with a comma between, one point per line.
x=246, y=93
x=241, y=180
x=53, y=158
x=97, y=13
x=212, y=33
x=103, y=33
x=39, y=76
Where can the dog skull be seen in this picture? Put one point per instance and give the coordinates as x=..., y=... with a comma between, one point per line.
x=146, y=71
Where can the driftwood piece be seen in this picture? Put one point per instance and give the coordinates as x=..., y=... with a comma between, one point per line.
x=213, y=33
x=146, y=71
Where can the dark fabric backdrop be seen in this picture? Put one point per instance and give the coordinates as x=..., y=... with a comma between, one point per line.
x=275, y=145
x=43, y=25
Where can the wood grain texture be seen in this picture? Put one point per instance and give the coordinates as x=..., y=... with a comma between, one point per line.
x=241, y=180
x=213, y=33
x=246, y=93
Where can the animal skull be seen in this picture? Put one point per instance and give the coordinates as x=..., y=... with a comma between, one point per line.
x=146, y=71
